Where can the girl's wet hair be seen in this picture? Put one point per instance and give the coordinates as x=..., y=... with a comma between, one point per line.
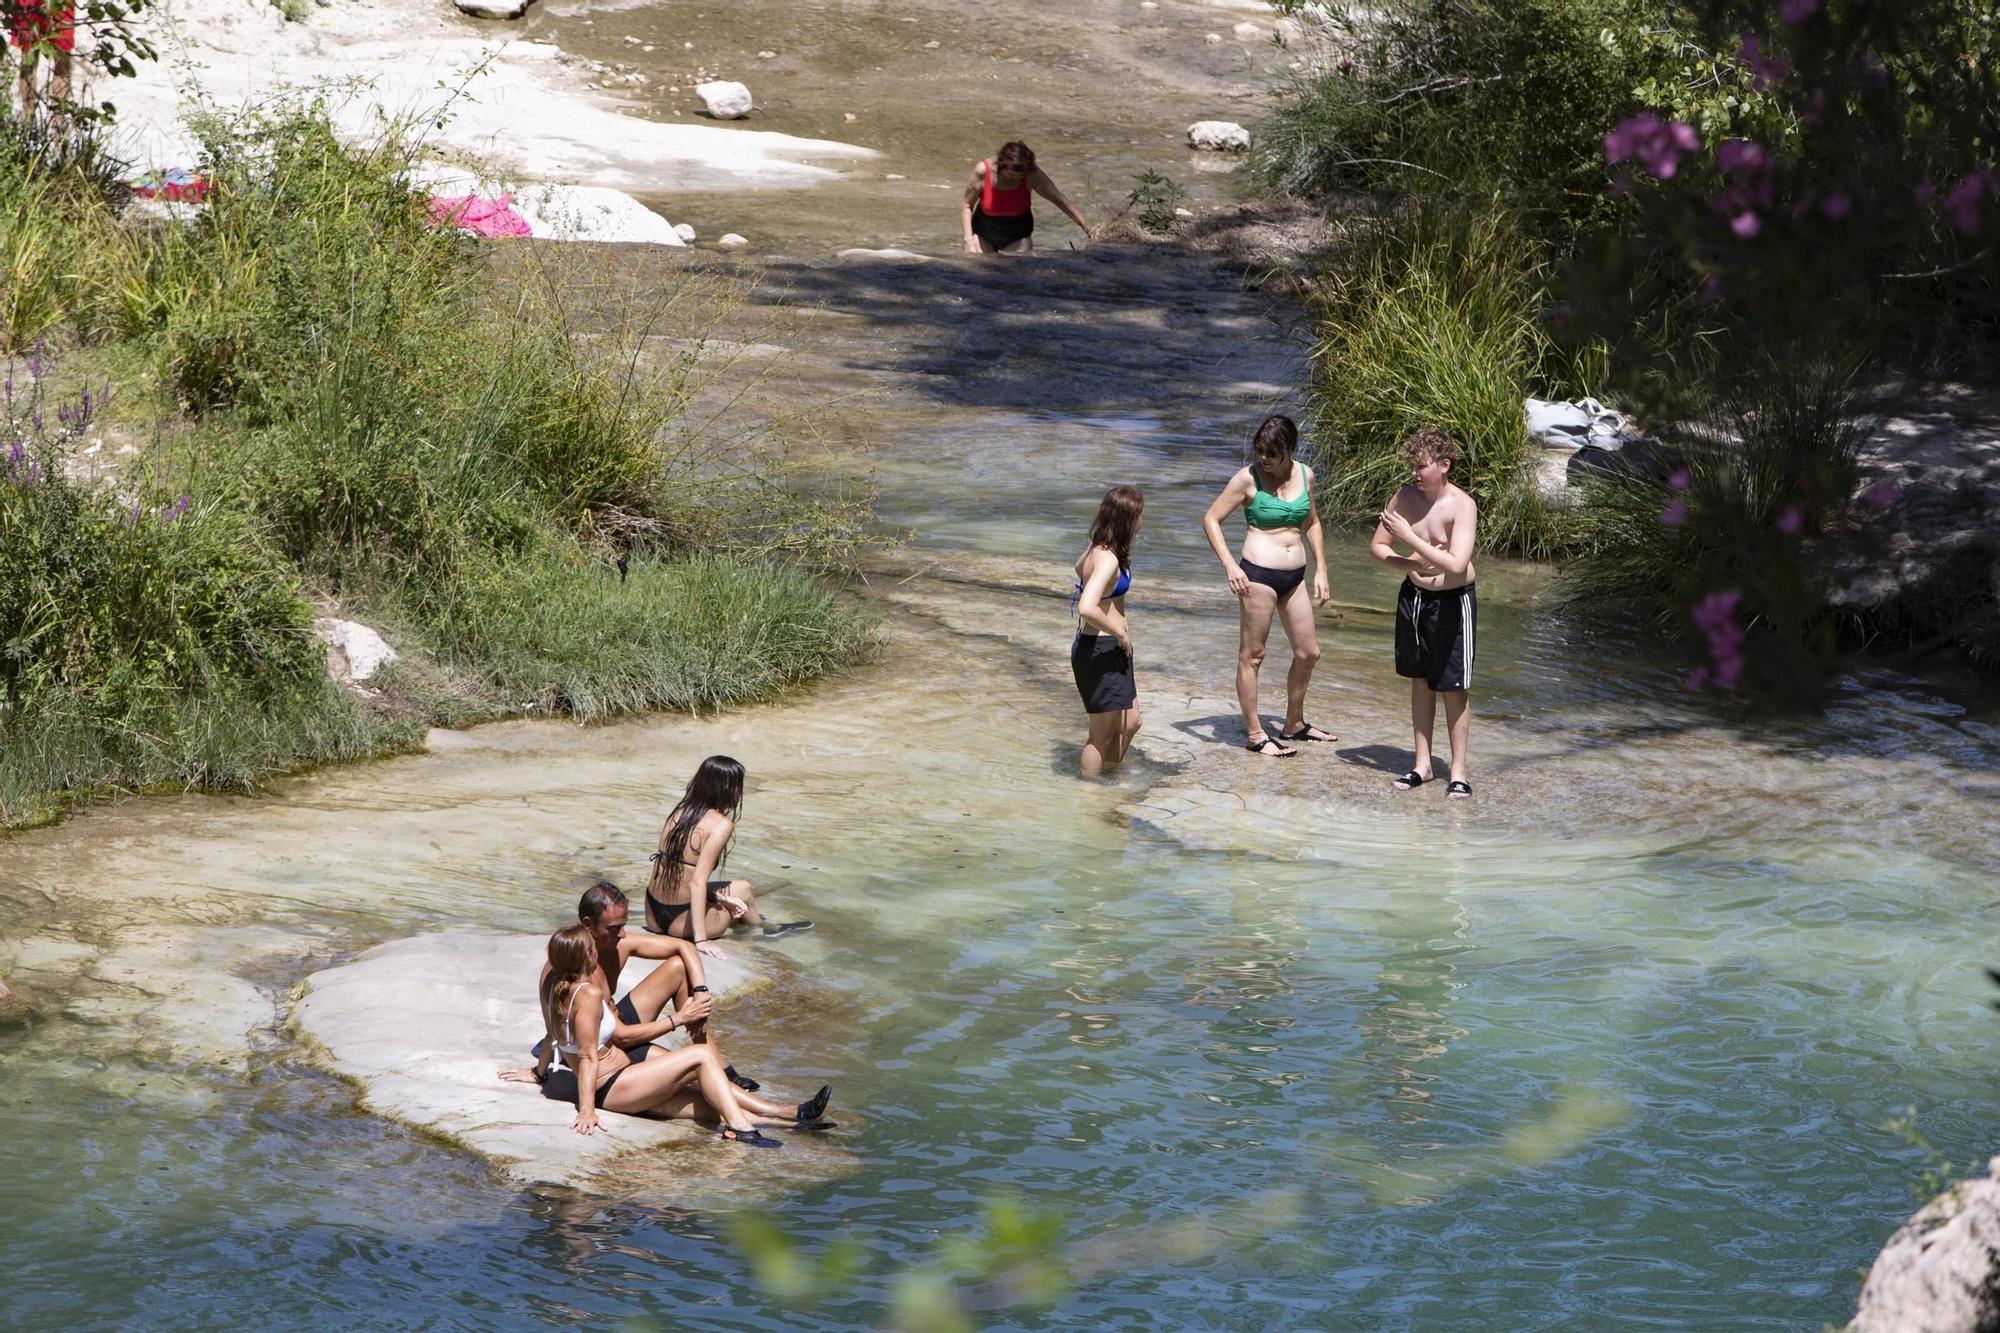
x=572, y=959
x=1276, y=438
x=1014, y=156
x=717, y=785
x=1117, y=520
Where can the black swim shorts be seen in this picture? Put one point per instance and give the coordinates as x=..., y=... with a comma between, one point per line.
x=1001, y=232
x=1103, y=673
x=1434, y=635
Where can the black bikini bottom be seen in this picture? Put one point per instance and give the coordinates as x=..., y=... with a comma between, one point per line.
x=1279, y=581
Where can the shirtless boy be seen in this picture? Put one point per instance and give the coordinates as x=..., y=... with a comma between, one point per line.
x=1436, y=610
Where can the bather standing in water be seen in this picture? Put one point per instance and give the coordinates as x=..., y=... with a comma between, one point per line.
x=997, y=213
x=1275, y=493
x=681, y=899
x=1100, y=657
x=595, y=1072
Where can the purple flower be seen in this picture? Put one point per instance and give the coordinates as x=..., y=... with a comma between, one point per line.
x=1795, y=12
x=1882, y=494
x=1711, y=288
x=1741, y=155
x=1681, y=479
x=176, y=509
x=1656, y=145
x=1835, y=206
x=1925, y=193
x=1765, y=71
x=1675, y=514
x=1961, y=206
x=1746, y=225
x=1791, y=521
x=1715, y=616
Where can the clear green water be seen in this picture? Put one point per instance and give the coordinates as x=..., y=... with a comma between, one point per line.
x=1613, y=1042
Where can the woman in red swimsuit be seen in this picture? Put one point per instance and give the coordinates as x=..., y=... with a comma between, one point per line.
x=997, y=214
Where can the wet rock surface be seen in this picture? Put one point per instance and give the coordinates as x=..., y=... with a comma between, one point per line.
x=1940, y=1272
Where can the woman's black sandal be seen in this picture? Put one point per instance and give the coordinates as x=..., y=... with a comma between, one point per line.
x=749, y=1138
x=1458, y=789
x=1282, y=751
x=1410, y=781
x=1305, y=733
x=814, y=1109
x=741, y=1081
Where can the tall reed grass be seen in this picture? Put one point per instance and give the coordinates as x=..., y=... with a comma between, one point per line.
x=1433, y=320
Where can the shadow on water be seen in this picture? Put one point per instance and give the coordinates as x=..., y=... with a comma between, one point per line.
x=1056, y=332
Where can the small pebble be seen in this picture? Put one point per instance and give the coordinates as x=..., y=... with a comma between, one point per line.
x=930, y=46
x=687, y=46
x=892, y=176
x=767, y=55
x=1213, y=39
x=849, y=115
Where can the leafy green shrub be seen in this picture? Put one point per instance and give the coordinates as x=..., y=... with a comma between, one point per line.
x=57, y=233
x=1763, y=487
x=1433, y=322
x=1463, y=97
x=1156, y=196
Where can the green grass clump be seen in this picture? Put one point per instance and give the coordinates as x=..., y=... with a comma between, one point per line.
x=1433, y=322
x=694, y=633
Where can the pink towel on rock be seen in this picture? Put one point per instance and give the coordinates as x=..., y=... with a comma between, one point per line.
x=481, y=217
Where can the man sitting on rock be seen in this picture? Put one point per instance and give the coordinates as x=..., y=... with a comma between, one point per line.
x=674, y=994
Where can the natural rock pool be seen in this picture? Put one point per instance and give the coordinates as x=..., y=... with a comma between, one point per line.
x=1616, y=1040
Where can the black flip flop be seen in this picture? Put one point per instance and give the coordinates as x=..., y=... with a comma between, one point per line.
x=1282, y=752
x=1410, y=781
x=1302, y=734
x=1458, y=789
x=751, y=1138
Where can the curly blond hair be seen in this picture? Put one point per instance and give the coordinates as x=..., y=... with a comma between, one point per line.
x=1428, y=444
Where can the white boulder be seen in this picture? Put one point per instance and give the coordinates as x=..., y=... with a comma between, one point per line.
x=1940, y=1273
x=856, y=252
x=354, y=653
x=685, y=232
x=1218, y=136
x=731, y=239
x=725, y=99
x=493, y=9
x=1247, y=31
x=476, y=992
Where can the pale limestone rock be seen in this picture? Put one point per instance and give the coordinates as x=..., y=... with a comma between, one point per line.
x=725, y=99
x=1218, y=136
x=354, y=652
x=474, y=992
x=685, y=232
x=493, y=9
x=731, y=239
x=855, y=252
x=1940, y=1272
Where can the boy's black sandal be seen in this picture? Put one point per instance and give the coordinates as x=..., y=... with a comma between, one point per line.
x=1409, y=781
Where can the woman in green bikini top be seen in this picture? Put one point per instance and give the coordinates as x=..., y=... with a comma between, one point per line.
x=1268, y=579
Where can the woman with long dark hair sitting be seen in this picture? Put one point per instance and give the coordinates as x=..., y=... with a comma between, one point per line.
x=1100, y=657
x=682, y=899
x=596, y=1074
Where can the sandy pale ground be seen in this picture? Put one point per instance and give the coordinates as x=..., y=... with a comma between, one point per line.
x=520, y=107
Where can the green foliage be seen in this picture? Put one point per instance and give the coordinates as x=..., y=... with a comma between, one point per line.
x=1460, y=97
x=1766, y=482
x=697, y=633
x=56, y=222
x=1156, y=196
x=1430, y=322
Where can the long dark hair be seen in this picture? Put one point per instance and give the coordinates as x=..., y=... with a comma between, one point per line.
x=1117, y=519
x=716, y=785
x=1275, y=439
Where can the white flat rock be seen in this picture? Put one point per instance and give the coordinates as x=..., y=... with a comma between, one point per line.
x=856, y=252
x=424, y=1025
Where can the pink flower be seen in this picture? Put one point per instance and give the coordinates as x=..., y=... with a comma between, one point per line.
x=1675, y=514
x=1835, y=206
x=1746, y=225
x=1681, y=479
x=1795, y=12
x=1765, y=71
x=1711, y=290
x=1741, y=155
x=1656, y=145
x=1791, y=521
x=1715, y=616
